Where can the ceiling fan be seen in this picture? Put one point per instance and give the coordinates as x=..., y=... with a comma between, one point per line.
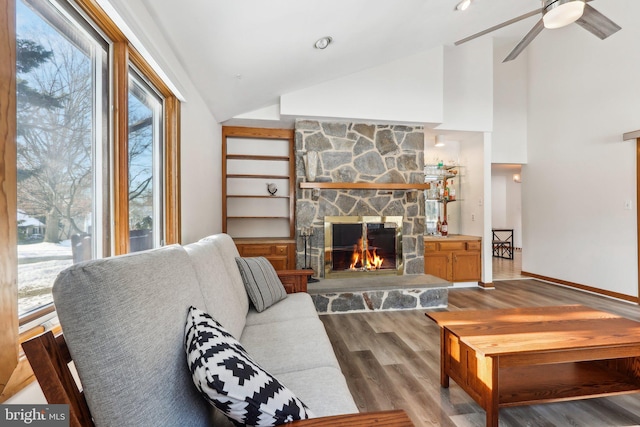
x=556, y=14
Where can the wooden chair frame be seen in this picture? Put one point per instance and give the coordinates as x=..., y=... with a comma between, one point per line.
x=49, y=358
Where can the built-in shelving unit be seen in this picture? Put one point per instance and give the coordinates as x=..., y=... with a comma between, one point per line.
x=252, y=158
x=434, y=174
x=436, y=203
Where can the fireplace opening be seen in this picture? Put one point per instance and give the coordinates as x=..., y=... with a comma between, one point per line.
x=363, y=244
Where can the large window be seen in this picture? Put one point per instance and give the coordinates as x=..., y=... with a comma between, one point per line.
x=62, y=102
x=89, y=151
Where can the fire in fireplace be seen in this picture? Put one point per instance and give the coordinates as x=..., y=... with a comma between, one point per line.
x=366, y=244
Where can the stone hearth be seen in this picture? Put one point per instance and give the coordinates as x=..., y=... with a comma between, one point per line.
x=379, y=294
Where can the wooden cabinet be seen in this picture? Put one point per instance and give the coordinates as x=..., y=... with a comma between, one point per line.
x=455, y=258
x=281, y=253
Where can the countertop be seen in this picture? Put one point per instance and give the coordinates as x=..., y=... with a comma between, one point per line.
x=451, y=237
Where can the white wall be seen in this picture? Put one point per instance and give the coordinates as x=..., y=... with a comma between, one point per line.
x=201, y=135
x=468, y=86
x=509, y=138
x=406, y=90
x=583, y=95
x=498, y=201
x=201, y=172
x=475, y=208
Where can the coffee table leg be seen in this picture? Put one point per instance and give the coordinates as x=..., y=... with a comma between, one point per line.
x=488, y=368
x=444, y=355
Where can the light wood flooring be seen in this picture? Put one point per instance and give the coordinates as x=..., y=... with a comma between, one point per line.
x=508, y=269
x=391, y=360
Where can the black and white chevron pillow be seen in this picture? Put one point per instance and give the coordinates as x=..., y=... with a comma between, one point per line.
x=230, y=380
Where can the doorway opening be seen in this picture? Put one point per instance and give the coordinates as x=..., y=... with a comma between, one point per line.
x=506, y=221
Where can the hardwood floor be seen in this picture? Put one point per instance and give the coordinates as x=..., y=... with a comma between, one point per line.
x=392, y=361
x=508, y=269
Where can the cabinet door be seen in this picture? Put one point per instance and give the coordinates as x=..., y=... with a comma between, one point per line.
x=278, y=262
x=466, y=266
x=438, y=264
x=278, y=255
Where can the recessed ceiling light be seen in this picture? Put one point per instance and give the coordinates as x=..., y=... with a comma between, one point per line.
x=323, y=42
x=463, y=5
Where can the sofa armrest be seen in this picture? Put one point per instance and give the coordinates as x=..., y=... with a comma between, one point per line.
x=397, y=418
x=294, y=280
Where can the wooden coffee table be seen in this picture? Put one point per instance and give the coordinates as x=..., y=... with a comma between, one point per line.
x=523, y=356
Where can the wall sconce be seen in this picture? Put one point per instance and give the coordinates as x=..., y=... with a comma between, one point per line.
x=439, y=141
x=517, y=178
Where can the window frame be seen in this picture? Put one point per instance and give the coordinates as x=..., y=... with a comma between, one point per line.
x=15, y=372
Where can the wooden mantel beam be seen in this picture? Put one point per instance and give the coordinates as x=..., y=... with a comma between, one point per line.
x=631, y=135
x=365, y=186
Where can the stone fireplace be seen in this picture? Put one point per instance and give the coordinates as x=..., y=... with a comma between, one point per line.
x=361, y=153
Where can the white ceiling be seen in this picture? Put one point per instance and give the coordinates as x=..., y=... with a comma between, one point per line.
x=243, y=54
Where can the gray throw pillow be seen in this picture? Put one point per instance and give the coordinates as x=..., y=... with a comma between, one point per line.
x=229, y=379
x=261, y=282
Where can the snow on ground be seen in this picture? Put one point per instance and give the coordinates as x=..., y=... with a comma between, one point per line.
x=38, y=250
x=38, y=266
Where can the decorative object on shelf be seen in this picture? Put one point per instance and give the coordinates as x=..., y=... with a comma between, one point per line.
x=310, y=159
x=272, y=188
x=306, y=233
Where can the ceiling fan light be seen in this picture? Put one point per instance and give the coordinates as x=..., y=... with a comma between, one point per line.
x=562, y=12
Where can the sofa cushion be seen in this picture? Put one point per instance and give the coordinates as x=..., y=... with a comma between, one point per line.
x=229, y=379
x=220, y=298
x=228, y=254
x=261, y=282
x=329, y=394
x=123, y=320
x=296, y=306
x=289, y=346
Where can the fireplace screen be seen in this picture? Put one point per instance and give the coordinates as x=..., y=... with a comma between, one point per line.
x=363, y=244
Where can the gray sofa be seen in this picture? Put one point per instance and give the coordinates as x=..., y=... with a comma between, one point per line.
x=123, y=320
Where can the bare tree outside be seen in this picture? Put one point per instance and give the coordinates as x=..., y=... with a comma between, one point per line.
x=55, y=138
x=145, y=135
x=140, y=164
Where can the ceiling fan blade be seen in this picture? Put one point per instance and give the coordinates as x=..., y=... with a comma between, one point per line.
x=596, y=23
x=525, y=41
x=497, y=27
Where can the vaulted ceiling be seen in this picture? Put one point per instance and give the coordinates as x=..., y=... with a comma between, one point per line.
x=242, y=55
